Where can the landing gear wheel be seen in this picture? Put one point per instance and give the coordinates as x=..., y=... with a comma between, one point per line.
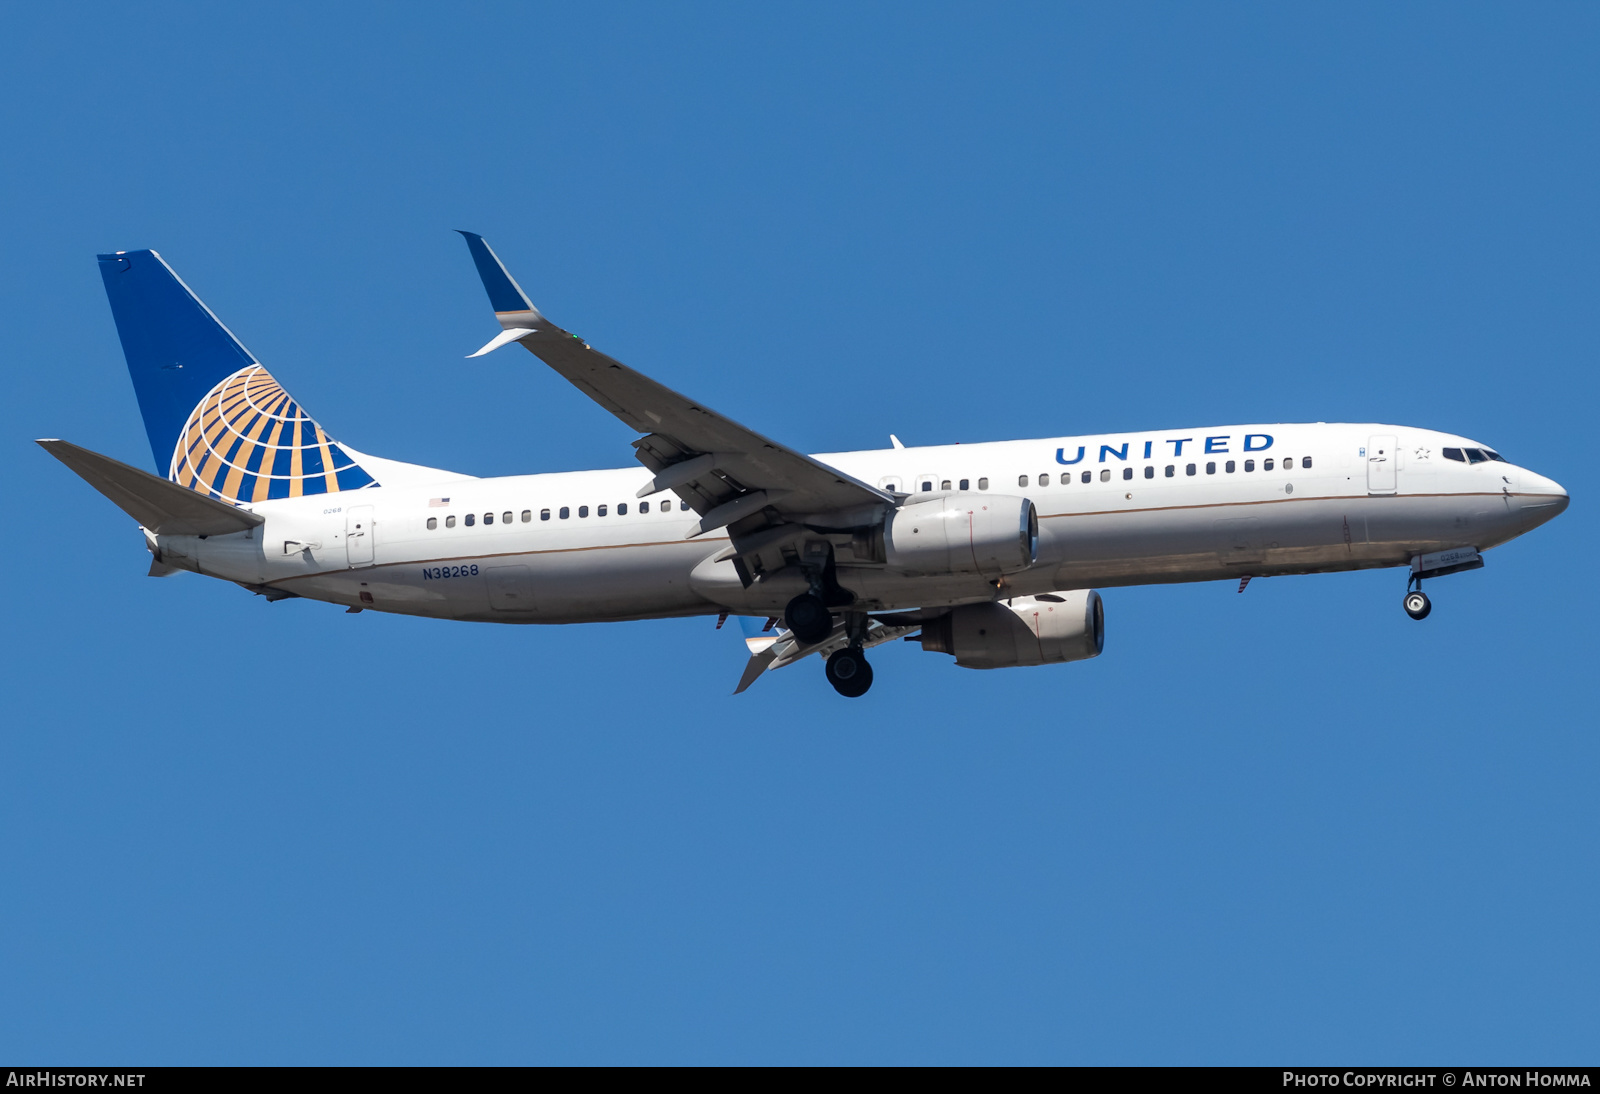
x=808, y=618
x=1418, y=605
x=849, y=673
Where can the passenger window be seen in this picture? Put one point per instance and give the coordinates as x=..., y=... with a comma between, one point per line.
x=527, y=515
x=666, y=505
x=889, y=487
x=945, y=485
x=1305, y=462
x=1188, y=469
x=927, y=486
x=983, y=484
x=1149, y=471
x=449, y=522
x=505, y=518
x=1022, y=480
x=1475, y=455
x=622, y=509
x=488, y=518
x=1088, y=476
x=1230, y=467
x=1105, y=476
x=600, y=511
x=1066, y=478
x=644, y=507
x=1288, y=463
x=1249, y=465
x=1127, y=473
x=565, y=512
x=1266, y=464
x=1044, y=480
x=467, y=520
x=1171, y=470
x=1211, y=467
x=583, y=511
x=433, y=522
x=544, y=514
x=964, y=483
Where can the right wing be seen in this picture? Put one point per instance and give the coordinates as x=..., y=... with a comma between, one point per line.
x=725, y=472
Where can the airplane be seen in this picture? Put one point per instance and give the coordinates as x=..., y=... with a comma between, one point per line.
x=990, y=553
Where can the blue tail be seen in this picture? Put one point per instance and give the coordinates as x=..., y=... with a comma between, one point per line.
x=218, y=423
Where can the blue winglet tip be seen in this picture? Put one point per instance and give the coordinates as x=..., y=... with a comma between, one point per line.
x=505, y=295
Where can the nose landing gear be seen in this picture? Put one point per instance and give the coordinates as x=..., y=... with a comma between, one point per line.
x=849, y=672
x=1416, y=603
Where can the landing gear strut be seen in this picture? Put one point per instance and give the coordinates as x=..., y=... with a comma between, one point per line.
x=849, y=672
x=1416, y=603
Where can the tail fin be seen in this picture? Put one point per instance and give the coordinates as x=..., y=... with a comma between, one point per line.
x=218, y=422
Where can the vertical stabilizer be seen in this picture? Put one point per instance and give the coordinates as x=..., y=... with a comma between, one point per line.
x=218, y=422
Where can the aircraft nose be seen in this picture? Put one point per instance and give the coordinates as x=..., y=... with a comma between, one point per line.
x=1545, y=495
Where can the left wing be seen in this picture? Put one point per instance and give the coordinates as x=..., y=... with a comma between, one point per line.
x=725, y=472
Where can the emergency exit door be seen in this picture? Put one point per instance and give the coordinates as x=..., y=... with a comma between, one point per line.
x=358, y=535
x=1382, y=462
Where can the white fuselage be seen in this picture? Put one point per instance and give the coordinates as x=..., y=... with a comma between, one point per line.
x=1354, y=496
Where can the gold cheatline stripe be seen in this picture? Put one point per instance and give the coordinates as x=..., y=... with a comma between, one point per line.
x=1052, y=516
x=1278, y=501
x=507, y=554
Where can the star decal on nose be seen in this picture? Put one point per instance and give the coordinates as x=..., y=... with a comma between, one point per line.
x=1424, y=452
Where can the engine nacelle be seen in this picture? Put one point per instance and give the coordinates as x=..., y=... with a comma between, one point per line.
x=1026, y=630
x=962, y=534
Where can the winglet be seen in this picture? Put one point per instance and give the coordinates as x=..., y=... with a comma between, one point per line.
x=505, y=295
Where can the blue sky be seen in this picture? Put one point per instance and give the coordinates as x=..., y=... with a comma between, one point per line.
x=1288, y=826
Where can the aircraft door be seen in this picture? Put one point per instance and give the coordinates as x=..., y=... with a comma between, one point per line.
x=358, y=535
x=1383, y=460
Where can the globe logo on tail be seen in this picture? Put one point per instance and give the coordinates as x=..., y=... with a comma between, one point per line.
x=248, y=441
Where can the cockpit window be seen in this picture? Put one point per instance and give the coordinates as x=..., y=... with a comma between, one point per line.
x=1454, y=454
x=1495, y=456
x=1475, y=455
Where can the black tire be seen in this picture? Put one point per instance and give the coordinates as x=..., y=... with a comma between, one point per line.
x=849, y=673
x=1418, y=605
x=808, y=618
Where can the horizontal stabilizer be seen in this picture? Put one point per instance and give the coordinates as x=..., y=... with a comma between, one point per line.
x=164, y=507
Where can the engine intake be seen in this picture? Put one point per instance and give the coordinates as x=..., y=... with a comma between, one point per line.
x=1026, y=630
x=963, y=534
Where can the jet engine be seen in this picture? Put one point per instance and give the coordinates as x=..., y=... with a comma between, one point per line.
x=962, y=534
x=1026, y=630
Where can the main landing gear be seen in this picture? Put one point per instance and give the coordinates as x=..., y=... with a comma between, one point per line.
x=849, y=672
x=1416, y=603
x=808, y=618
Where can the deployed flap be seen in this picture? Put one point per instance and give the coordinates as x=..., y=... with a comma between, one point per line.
x=678, y=428
x=788, y=649
x=164, y=507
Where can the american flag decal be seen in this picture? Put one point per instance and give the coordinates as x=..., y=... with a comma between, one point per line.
x=438, y=503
